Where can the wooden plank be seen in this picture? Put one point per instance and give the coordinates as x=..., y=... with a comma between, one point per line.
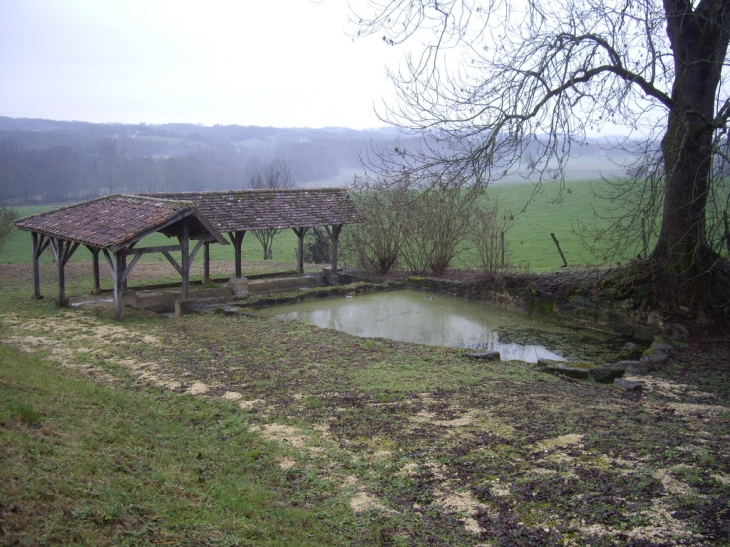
x=146, y=250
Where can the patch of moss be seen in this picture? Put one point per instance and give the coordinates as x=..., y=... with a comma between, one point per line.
x=540, y=306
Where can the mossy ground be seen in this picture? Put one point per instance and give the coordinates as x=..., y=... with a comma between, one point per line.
x=401, y=444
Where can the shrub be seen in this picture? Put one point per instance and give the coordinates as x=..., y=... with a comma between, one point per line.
x=375, y=244
x=7, y=216
x=487, y=237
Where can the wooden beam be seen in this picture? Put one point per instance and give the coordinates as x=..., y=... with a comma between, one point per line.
x=95, y=268
x=69, y=251
x=116, y=269
x=301, y=232
x=185, y=243
x=237, y=241
x=334, y=234
x=182, y=213
x=206, y=263
x=147, y=250
x=40, y=244
x=61, y=252
x=172, y=261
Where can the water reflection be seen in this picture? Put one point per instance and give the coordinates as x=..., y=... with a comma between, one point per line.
x=410, y=316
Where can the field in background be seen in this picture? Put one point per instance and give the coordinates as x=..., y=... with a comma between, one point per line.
x=529, y=245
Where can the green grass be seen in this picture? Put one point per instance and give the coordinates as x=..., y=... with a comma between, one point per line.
x=438, y=441
x=86, y=464
x=17, y=250
x=528, y=239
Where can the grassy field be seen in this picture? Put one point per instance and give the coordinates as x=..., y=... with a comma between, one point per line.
x=18, y=248
x=243, y=430
x=528, y=239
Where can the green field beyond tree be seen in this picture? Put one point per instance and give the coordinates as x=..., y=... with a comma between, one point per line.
x=528, y=241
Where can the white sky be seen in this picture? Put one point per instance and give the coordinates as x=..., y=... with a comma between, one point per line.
x=282, y=63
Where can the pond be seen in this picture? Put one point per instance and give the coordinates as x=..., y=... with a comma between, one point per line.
x=410, y=316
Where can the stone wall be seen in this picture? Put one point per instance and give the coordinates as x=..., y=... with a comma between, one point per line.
x=616, y=317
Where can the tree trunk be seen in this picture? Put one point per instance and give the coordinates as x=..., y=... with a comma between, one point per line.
x=699, y=42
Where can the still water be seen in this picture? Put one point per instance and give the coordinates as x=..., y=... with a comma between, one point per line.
x=410, y=316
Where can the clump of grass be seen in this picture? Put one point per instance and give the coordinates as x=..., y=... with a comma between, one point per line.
x=18, y=409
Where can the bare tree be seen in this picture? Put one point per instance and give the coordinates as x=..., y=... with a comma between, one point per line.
x=273, y=175
x=504, y=87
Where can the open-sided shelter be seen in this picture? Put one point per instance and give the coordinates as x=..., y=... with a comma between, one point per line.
x=239, y=211
x=113, y=225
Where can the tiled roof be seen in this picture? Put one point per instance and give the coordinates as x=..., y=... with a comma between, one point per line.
x=113, y=220
x=240, y=210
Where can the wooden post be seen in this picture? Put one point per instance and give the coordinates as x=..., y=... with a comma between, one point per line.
x=502, y=248
x=644, y=238
x=61, y=300
x=237, y=240
x=727, y=232
x=565, y=262
x=206, y=263
x=118, y=276
x=95, y=267
x=124, y=267
x=301, y=232
x=185, y=243
x=40, y=242
x=334, y=236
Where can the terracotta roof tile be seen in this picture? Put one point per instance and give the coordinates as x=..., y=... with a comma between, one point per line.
x=239, y=210
x=107, y=221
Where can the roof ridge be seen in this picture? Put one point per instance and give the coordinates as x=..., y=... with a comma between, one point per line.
x=190, y=203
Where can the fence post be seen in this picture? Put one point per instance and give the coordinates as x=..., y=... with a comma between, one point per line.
x=502, y=247
x=565, y=262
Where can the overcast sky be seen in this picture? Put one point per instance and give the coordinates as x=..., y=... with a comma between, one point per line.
x=282, y=63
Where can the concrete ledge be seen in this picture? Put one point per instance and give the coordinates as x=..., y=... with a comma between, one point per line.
x=284, y=284
x=166, y=301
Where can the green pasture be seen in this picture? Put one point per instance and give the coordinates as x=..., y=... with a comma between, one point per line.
x=18, y=248
x=528, y=241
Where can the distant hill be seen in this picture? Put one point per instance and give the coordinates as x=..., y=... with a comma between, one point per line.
x=47, y=160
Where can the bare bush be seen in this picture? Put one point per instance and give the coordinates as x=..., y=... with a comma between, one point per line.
x=491, y=222
x=7, y=216
x=375, y=244
x=437, y=227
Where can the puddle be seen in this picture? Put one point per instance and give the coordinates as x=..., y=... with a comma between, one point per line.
x=410, y=316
